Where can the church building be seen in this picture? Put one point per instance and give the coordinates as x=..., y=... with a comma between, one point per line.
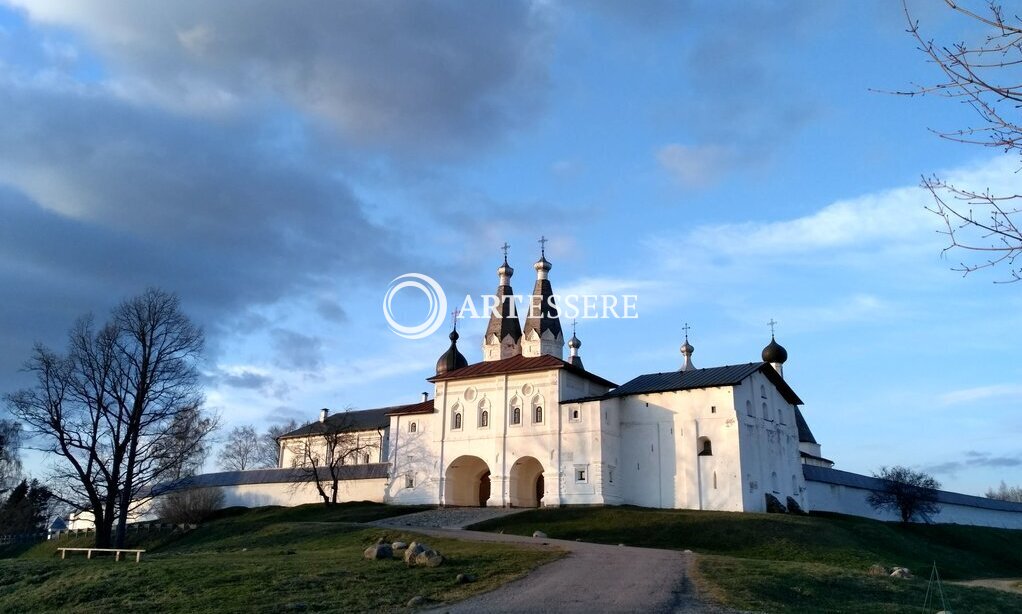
x=526, y=427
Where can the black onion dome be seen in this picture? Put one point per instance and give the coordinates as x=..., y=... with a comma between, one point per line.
x=775, y=353
x=451, y=359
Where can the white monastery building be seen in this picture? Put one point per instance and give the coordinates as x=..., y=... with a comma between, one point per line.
x=526, y=427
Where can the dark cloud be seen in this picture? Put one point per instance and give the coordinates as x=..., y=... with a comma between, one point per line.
x=246, y=379
x=434, y=76
x=295, y=351
x=331, y=310
x=101, y=198
x=746, y=100
x=972, y=459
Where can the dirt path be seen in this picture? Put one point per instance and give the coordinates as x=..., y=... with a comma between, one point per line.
x=1011, y=585
x=591, y=578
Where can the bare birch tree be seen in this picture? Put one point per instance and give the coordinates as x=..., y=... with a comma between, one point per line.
x=111, y=408
x=986, y=75
x=241, y=450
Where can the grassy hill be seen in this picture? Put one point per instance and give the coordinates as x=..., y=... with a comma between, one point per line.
x=779, y=563
x=306, y=558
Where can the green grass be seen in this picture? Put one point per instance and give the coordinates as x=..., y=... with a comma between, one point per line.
x=778, y=563
x=264, y=560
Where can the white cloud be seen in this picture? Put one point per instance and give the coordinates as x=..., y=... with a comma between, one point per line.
x=980, y=393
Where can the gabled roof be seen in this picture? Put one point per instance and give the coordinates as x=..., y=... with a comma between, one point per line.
x=345, y=422
x=712, y=377
x=804, y=434
x=519, y=364
x=423, y=407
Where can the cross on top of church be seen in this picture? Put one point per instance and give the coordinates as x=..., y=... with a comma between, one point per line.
x=573, y=321
x=772, y=323
x=542, y=245
x=504, y=249
x=686, y=328
x=454, y=318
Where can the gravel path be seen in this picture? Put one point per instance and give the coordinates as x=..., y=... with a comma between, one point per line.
x=591, y=578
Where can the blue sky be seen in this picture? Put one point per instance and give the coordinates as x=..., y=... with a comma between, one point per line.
x=278, y=164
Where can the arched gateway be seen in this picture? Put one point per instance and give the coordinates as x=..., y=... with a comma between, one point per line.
x=526, y=483
x=467, y=482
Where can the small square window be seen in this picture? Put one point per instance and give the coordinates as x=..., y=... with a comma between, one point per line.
x=575, y=416
x=713, y=409
x=581, y=474
x=409, y=481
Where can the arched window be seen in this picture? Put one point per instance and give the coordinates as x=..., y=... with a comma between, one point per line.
x=748, y=409
x=483, y=417
x=705, y=447
x=773, y=482
x=714, y=480
x=537, y=414
x=365, y=458
x=765, y=412
x=780, y=416
x=574, y=415
x=412, y=427
x=516, y=415
x=762, y=391
x=794, y=485
x=457, y=421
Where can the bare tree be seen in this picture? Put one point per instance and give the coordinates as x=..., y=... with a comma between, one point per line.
x=1006, y=493
x=189, y=505
x=325, y=447
x=186, y=444
x=10, y=462
x=269, y=444
x=907, y=492
x=984, y=75
x=110, y=408
x=241, y=450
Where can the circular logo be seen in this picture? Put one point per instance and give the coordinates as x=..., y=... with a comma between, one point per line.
x=437, y=305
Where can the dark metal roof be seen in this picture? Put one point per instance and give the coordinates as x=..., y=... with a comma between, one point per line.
x=804, y=434
x=270, y=476
x=451, y=359
x=826, y=475
x=425, y=407
x=520, y=364
x=504, y=317
x=712, y=377
x=815, y=457
x=543, y=316
x=346, y=421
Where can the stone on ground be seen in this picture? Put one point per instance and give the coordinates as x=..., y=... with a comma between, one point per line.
x=378, y=551
x=399, y=546
x=901, y=572
x=416, y=601
x=538, y=534
x=877, y=570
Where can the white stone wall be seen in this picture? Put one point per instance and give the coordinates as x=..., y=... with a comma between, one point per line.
x=770, y=457
x=369, y=442
x=827, y=497
x=503, y=445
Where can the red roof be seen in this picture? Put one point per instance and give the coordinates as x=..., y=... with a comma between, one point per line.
x=519, y=364
x=424, y=407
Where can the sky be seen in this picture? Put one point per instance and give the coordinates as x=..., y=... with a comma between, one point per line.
x=277, y=164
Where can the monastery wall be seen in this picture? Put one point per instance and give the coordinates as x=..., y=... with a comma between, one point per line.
x=831, y=490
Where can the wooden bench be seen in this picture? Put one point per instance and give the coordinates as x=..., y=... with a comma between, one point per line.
x=88, y=552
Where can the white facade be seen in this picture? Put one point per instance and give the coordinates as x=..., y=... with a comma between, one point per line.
x=508, y=429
